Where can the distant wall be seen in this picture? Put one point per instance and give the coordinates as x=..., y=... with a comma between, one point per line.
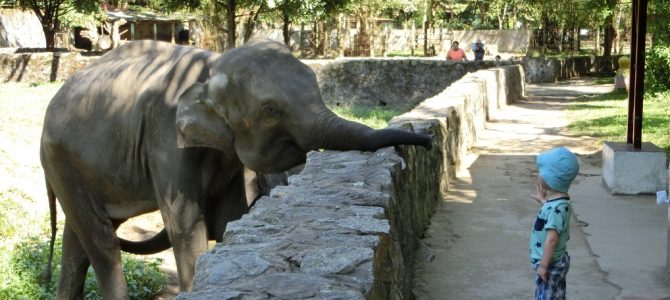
x=495, y=41
x=542, y=69
x=398, y=82
x=347, y=226
x=20, y=28
x=395, y=82
x=402, y=40
x=40, y=66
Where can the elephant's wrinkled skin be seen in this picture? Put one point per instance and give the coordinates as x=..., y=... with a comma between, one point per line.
x=155, y=126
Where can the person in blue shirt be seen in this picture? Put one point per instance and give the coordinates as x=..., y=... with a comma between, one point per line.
x=478, y=49
x=549, y=257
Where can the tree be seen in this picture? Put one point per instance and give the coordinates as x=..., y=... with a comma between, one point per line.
x=658, y=21
x=49, y=13
x=289, y=11
x=610, y=32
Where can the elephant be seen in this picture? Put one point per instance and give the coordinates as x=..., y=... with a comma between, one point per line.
x=155, y=126
x=256, y=185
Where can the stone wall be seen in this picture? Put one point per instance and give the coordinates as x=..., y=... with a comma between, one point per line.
x=542, y=69
x=395, y=82
x=347, y=226
x=40, y=66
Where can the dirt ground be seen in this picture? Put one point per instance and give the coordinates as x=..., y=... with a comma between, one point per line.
x=479, y=235
x=142, y=228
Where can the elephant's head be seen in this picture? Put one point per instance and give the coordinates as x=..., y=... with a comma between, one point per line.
x=264, y=105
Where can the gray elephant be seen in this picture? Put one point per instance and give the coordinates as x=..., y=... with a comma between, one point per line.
x=152, y=125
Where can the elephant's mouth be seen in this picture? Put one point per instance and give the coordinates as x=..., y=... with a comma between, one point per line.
x=276, y=158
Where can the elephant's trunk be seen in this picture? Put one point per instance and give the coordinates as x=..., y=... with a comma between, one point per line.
x=340, y=134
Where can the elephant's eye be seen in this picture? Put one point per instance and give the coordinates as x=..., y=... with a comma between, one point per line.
x=269, y=110
x=269, y=113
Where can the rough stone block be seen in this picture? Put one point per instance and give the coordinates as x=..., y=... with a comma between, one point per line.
x=629, y=171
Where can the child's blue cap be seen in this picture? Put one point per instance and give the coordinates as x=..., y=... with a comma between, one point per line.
x=558, y=167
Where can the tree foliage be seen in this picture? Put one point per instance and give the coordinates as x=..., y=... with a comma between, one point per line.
x=658, y=22
x=229, y=21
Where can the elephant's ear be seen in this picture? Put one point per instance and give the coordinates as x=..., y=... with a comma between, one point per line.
x=199, y=125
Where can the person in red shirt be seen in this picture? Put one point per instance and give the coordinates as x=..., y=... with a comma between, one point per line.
x=455, y=53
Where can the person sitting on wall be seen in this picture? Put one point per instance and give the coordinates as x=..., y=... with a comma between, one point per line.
x=478, y=49
x=455, y=53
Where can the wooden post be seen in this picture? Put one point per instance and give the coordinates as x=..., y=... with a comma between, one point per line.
x=155, y=31
x=132, y=31
x=636, y=90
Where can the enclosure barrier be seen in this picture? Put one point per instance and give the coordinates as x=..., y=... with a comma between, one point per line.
x=348, y=225
x=550, y=70
x=346, y=81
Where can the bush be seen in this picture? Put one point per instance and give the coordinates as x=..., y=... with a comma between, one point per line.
x=29, y=259
x=657, y=70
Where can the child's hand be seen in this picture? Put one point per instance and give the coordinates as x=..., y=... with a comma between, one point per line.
x=540, y=193
x=542, y=272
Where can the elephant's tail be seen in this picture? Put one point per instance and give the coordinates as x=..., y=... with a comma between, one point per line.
x=46, y=276
x=157, y=243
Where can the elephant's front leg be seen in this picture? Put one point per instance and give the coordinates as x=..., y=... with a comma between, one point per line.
x=186, y=227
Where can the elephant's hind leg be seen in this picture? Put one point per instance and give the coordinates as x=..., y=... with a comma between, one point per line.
x=74, y=264
x=96, y=236
x=88, y=228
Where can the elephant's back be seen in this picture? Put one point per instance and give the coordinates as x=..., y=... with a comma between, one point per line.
x=110, y=90
x=101, y=114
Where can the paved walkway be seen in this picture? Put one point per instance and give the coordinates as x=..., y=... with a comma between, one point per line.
x=479, y=236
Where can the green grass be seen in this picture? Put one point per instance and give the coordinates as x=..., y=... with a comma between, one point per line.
x=604, y=80
x=605, y=116
x=376, y=117
x=29, y=258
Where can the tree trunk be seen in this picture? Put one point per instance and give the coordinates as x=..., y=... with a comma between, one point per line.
x=49, y=38
x=371, y=36
x=413, y=38
x=49, y=19
x=341, y=29
x=610, y=32
x=483, y=9
x=250, y=23
x=610, y=35
x=325, y=37
x=575, y=40
x=286, y=28
x=501, y=20
x=231, y=26
x=427, y=20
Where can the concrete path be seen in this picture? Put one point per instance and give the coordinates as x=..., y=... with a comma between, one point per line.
x=479, y=235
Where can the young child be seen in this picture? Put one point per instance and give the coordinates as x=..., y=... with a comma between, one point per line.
x=548, y=253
